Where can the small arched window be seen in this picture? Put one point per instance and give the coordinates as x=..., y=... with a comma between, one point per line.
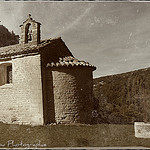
x=28, y=33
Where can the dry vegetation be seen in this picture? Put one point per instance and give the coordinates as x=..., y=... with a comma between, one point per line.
x=7, y=38
x=119, y=98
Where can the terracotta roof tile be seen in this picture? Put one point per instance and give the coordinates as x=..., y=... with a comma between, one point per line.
x=20, y=49
x=70, y=61
x=62, y=56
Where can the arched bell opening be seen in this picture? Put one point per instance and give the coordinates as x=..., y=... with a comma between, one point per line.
x=28, y=33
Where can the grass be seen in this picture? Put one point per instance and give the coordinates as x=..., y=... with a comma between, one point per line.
x=102, y=135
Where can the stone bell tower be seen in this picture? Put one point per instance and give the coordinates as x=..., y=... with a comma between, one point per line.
x=30, y=32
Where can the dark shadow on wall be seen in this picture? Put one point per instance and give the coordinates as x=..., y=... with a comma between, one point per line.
x=47, y=94
x=50, y=53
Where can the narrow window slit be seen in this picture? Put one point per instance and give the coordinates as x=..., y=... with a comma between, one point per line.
x=9, y=74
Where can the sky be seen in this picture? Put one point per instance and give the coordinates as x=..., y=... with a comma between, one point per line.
x=113, y=36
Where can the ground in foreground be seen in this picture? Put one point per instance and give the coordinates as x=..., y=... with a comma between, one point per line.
x=102, y=135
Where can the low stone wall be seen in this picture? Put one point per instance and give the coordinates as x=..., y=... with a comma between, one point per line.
x=142, y=130
x=102, y=135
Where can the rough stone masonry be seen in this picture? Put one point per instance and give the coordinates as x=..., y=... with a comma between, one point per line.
x=41, y=82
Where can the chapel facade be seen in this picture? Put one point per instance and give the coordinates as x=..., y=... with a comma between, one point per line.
x=41, y=82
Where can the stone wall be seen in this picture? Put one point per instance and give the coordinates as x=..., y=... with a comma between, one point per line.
x=35, y=34
x=62, y=95
x=72, y=94
x=21, y=101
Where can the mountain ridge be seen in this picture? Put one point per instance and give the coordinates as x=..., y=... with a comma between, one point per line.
x=7, y=38
x=120, y=98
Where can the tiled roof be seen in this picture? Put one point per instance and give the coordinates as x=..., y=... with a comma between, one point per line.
x=57, y=54
x=70, y=61
x=20, y=49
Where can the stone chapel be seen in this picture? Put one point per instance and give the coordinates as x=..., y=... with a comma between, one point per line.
x=41, y=82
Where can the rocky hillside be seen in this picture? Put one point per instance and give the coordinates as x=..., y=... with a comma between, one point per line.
x=123, y=98
x=6, y=37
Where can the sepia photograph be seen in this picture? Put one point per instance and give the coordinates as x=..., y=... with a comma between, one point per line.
x=74, y=75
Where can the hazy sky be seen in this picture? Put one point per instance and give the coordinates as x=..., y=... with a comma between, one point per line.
x=114, y=36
